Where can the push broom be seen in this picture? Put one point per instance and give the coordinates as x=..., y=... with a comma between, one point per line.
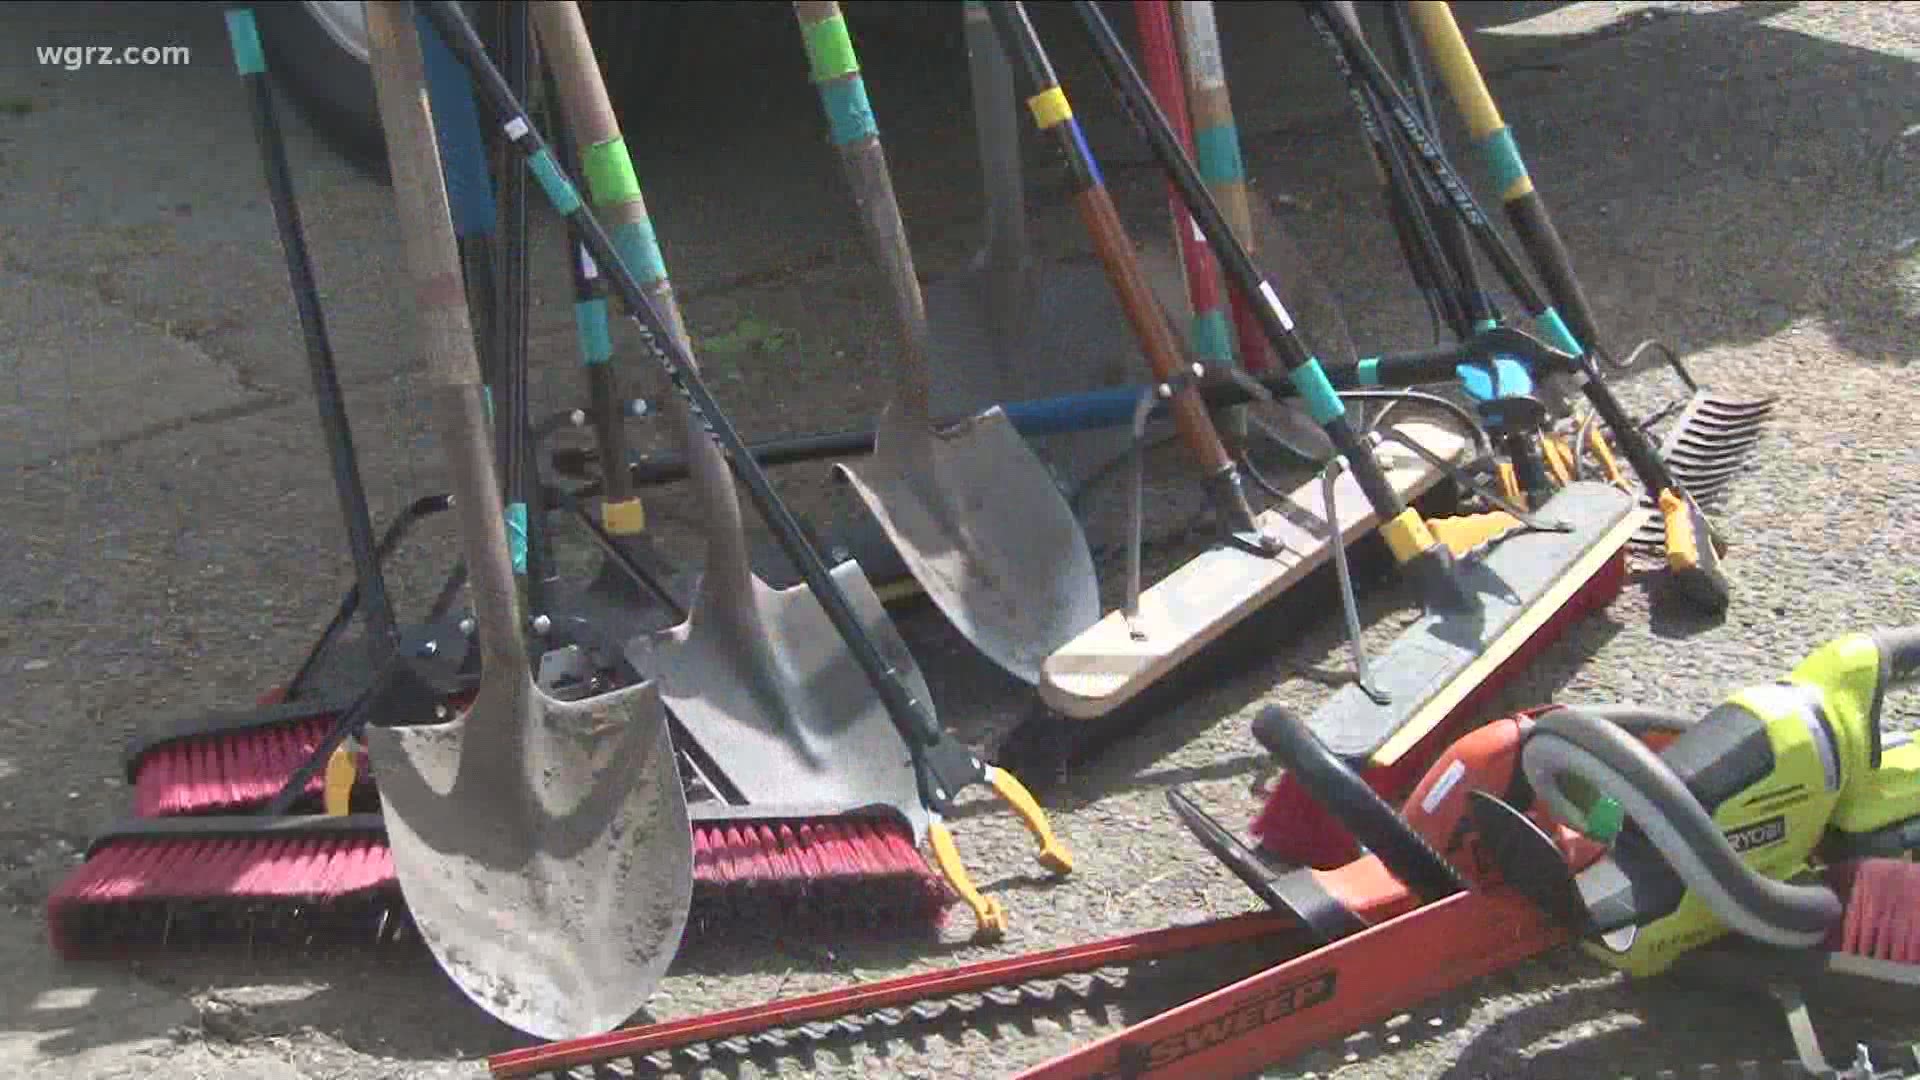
x=329, y=876
x=1440, y=675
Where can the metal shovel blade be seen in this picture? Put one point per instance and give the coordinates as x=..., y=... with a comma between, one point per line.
x=762, y=680
x=978, y=517
x=522, y=847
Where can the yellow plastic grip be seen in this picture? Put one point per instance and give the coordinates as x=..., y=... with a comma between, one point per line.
x=1464, y=533
x=1683, y=547
x=1559, y=458
x=336, y=792
x=987, y=912
x=1050, y=107
x=1407, y=535
x=627, y=518
x=1053, y=854
x=1510, y=482
x=1598, y=443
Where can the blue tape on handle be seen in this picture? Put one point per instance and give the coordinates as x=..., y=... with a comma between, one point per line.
x=1217, y=153
x=849, y=113
x=590, y=322
x=1213, y=337
x=1074, y=412
x=245, y=36
x=1501, y=155
x=560, y=190
x=1367, y=372
x=1317, y=393
x=1557, y=333
x=1086, y=155
x=637, y=246
x=517, y=536
x=456, y=121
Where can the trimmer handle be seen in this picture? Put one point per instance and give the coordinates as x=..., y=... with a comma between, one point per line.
x=1899, y=655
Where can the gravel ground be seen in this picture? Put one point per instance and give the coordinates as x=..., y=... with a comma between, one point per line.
x=173, y=546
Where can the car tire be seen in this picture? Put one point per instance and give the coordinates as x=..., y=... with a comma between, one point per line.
x=317, y=50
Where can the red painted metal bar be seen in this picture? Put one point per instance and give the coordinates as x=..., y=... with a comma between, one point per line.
x=869, y=997
x=1292, y=1007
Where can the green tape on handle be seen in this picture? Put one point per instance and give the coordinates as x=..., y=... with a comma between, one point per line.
x=610, y=176
x=1367, y=371
x=248, y=56
x=830, y=52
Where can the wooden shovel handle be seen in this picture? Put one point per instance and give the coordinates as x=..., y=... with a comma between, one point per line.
x=1149, y=324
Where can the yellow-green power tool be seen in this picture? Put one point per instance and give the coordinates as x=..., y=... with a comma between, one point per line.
x=1724, y=829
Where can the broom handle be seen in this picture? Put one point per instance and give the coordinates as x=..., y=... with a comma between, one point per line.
x=1216, y=145
x=1053, y=115
x=369, y=582
x=446, y=335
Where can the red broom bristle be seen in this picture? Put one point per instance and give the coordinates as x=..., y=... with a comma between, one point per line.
x=1882, y=911
x=854, y=874
x=233, y=771
x=1294, y=828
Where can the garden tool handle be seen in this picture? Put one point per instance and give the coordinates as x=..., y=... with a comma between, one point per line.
x=1053, y=115
x=615, y=191
x=447, y=349
x=1053, y=854
x=1899, y=655
x=1414, y=547
x=834, y=68
x=989, y=914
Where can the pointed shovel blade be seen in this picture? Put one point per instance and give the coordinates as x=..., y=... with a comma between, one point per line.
x=980, y=521
x=544, y=850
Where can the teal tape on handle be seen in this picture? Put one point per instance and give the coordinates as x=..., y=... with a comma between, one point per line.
x=486, y=395
x=1323, y=404
x=1557, y=333
x=1218, y=152
x=1485, y=325
x=559, y=189
x=517, y=535
x=245, y=36
x=640, y=250
x=849, y=113
x=1213, y=337
x=1368, y=371
x=1501, y=156
x=590, y=322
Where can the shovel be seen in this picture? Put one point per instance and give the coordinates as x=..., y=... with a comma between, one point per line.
x=543, y=846
x=942, y=767
x=970, y=508
x=1012, y=326
x=757, y=676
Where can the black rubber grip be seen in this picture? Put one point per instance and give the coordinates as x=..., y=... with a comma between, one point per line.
x=1899, y=649
x=1727, y=752
x=1334, y=785
x=1899, y=655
